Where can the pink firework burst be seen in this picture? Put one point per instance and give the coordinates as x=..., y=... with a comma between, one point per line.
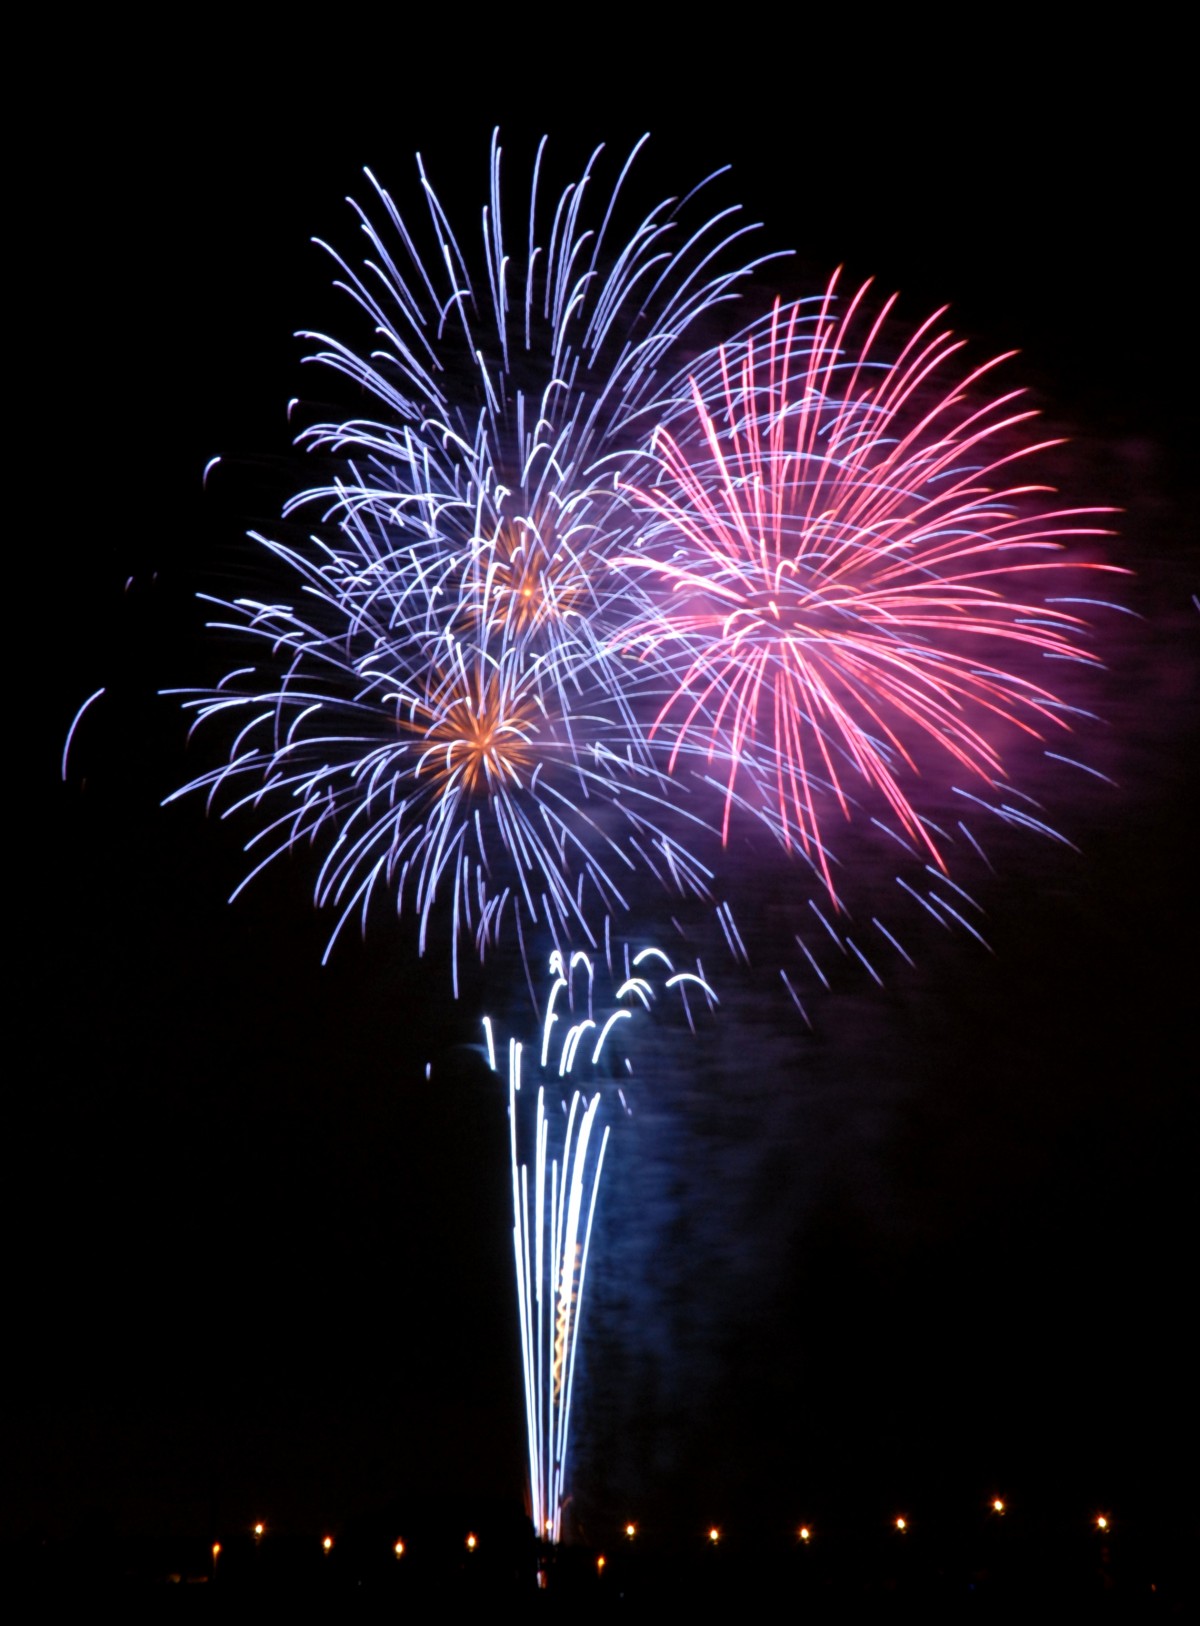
x=845, y=566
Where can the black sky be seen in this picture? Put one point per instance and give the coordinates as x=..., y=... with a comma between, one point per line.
x=941, y=1245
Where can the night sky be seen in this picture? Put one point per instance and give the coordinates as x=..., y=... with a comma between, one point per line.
x=939, y=1246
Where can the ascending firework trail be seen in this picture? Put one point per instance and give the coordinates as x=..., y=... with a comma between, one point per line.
x=552, y=1217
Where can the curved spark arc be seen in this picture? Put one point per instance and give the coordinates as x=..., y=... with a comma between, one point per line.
x=840, y=568
x=553, y=1222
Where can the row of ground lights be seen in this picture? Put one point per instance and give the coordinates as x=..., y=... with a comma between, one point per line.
x=1100, y=1521
x=997, y=1505
x=259, y=1530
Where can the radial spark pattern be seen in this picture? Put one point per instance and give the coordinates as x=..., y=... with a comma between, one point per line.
x=849, y=575
x=431, y=703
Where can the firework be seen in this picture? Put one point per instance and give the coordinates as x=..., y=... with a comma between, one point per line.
x=555, y=591
x=554, y=1194
x=436, y=773
x=432, y=705
x=846, y=566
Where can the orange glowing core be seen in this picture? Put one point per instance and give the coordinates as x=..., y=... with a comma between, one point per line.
x=531, y=580
x=477, y=737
